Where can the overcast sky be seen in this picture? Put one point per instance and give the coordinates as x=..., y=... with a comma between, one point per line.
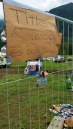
x=44, y=5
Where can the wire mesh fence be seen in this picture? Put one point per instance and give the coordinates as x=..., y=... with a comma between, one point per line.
x=23, y=105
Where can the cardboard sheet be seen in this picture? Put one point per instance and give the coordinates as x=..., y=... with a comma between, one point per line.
x=30, y=33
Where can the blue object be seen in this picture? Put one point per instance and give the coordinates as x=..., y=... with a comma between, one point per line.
x=38, y=82
x=33, y=69
x=68, y=82
x=67, y=75
x=8, y=58
x=44, y=80
x=66, y=105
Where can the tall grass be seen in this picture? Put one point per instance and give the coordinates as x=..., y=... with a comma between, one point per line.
x=23, y=105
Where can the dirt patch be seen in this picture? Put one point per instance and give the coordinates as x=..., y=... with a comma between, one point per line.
x=12, y=71
x=3, y=72
x=59, y=71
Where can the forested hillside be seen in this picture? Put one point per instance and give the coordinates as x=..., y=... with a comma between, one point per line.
x=65, y=11
x=1, y=29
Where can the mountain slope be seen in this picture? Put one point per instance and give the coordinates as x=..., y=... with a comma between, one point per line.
x=1, y=29
x=65, y=11
x=1, y=24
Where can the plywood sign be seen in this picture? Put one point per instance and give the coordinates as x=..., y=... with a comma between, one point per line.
x=30, y=33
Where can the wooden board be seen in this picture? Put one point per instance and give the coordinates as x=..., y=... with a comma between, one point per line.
x=56, y=123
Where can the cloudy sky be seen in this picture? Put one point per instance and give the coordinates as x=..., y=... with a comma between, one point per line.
x=44, y=5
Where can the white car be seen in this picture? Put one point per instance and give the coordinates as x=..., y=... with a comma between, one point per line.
x=61, y=59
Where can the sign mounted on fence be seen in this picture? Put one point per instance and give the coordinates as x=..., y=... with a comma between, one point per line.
x=29, y=32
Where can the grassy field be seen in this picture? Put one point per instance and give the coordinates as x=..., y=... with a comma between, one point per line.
x=22, y=104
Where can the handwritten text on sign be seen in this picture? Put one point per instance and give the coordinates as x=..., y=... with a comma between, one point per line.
x=31, y=34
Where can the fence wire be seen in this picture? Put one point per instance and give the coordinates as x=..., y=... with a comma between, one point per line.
x=22, y=104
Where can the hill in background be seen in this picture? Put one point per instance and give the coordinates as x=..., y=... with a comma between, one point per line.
x=65, y=11
x=1, y=29
x=1, y=24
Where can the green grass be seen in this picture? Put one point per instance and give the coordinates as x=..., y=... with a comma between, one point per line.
x=22, y=105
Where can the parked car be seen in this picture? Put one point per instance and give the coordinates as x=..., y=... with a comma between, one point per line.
x=60, y=59
x=69, y=59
